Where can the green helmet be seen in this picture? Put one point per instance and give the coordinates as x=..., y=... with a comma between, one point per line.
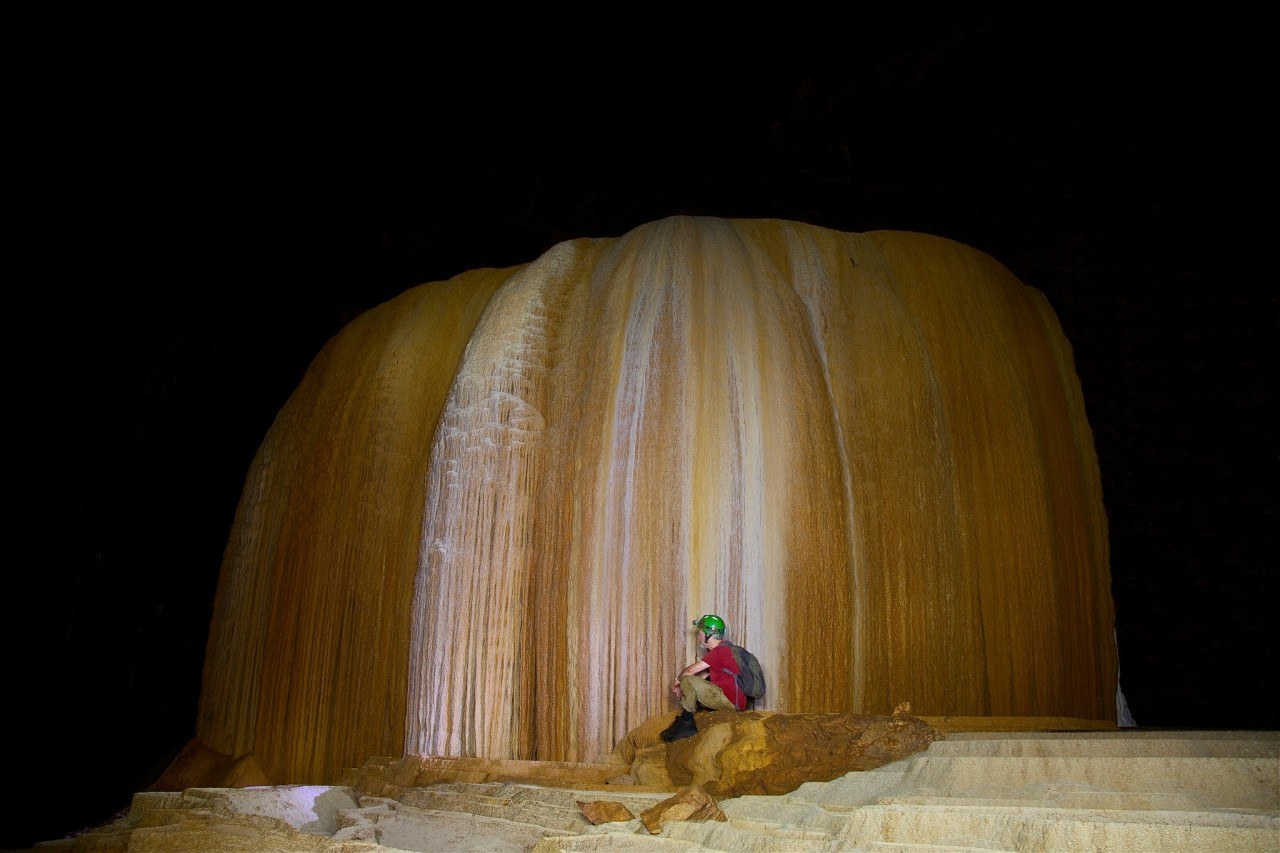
x=711, y=625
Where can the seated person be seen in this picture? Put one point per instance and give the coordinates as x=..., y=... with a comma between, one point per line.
x=708, y=682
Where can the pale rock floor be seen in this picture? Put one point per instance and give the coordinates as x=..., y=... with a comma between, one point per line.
x=1128, y=790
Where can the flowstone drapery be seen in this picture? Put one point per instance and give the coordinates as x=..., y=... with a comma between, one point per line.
x=483, y=522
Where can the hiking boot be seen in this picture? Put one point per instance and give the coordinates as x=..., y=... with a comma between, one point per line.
x=682, y=727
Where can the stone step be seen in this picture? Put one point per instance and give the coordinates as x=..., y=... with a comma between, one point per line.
x=1202, y=804
x=1058, y=799
x=386, y=776
x=852, y=789
x=617, y=842
x=990, y=827
x=973, y=791
x=523, y=792
x=553, y=808
x=1111, y=744
x=1020, y=828
x=405, y=828
x=533, y=814
x=1239, y=783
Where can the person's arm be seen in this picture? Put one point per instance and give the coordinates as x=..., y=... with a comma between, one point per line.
x=692, y=669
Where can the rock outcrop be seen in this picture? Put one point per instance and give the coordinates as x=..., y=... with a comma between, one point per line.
x=736, y=754
x=1022, y=791
x=733, y=754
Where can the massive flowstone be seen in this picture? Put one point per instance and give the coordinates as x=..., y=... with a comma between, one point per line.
x=483, y=521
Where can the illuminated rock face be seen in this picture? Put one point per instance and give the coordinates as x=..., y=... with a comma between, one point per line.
x=482, y=524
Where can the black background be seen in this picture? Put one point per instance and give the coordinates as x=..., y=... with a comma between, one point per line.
x=201, y=206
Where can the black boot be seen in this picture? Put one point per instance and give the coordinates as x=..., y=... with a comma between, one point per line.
x=683, y=726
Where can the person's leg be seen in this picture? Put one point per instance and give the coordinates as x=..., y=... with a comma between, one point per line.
x=695, y=691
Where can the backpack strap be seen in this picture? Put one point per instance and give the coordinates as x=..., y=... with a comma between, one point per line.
x=737, y=678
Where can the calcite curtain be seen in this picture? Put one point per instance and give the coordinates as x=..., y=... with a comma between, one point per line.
x=483, y=523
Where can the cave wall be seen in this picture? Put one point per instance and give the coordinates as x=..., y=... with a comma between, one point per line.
x=483, y=522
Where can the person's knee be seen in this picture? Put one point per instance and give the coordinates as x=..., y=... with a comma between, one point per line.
x=691, y=687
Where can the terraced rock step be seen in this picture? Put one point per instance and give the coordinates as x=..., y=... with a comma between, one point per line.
x=1219, y=783
x=1172, y=791
x=553, y=808
x=1114, y=745
x=1115, y=791
x=989, y=827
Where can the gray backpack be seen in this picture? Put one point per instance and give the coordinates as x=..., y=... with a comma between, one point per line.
x=750, y=676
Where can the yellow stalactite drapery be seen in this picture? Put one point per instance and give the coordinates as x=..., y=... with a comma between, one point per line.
x=484, y=521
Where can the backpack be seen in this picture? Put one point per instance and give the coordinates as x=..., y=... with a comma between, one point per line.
x=750, y=676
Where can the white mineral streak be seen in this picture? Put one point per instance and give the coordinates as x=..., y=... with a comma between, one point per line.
x=685, y=464
x=640, y=489
x=471, y=585
x=690, y=339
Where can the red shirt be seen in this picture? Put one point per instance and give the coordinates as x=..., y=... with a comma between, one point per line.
x=719, y=659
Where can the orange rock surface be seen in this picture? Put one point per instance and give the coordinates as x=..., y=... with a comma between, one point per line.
x=483, y=522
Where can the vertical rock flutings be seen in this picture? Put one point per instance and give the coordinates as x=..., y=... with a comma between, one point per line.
x=483, y=522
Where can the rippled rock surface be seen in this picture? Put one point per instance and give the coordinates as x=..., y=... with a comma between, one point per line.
x=482, y=523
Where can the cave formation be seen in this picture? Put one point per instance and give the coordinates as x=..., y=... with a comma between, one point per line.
x=482, y=523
